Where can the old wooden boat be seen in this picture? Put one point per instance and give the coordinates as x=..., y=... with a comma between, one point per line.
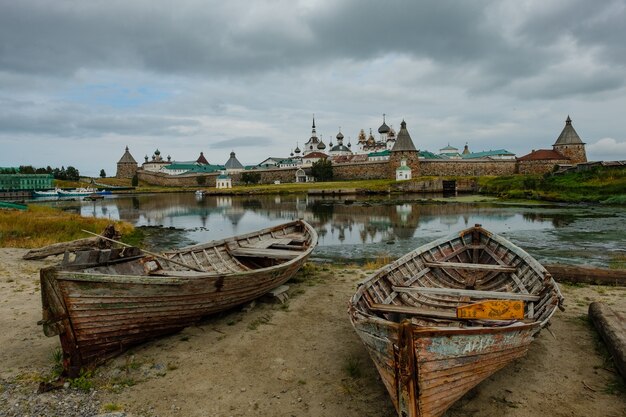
x=101, y=302
x=449, y=314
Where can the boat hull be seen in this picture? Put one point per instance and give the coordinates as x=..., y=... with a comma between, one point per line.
x=98, y=316
x=425, y=371
x=429, y=338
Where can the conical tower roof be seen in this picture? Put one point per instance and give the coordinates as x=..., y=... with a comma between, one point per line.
x=127, y=158
x=568, y=135
x=403, y=140
x=233, y=163
x=202, y=160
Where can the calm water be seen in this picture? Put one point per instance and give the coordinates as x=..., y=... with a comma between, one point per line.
x=361, y=229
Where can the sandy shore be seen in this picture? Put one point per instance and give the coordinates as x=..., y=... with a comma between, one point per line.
x=290, y=361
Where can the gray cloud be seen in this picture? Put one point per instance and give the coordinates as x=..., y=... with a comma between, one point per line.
x=247, y=76
x=235, y=38
x=236, y=143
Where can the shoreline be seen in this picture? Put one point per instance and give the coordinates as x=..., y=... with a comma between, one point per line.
x=302, y=358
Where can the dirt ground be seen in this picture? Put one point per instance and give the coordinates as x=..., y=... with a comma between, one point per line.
x=298, y=359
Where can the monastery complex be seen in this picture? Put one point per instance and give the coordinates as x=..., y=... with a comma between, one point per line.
x=389, y=155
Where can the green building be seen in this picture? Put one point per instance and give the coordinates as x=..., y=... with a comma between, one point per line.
x=22, y=182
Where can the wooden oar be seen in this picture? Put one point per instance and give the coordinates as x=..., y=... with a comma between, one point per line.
x=156, y=255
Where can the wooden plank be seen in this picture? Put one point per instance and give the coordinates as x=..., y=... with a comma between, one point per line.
x=288, y=247
x=265, y=253
x=392, y=308
x=492, y=310
x=587, y=274
x=266, y=243
x=499, y=295
x=476, y=267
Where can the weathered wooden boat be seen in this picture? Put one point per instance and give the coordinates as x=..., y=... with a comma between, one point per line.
x=101, y=302
x=444, y=317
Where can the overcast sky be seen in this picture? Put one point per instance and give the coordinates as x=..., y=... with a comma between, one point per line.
x=80, y=80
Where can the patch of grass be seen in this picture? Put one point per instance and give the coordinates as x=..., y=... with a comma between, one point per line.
x=353, y=367
x=305, y=273
x=378, y=262
x=131, y=364
x=134, y=238
x=57, y=363
x=599, y=184
x=83, y=382
x=111, y=407
x=40, y=226
x=30, y=377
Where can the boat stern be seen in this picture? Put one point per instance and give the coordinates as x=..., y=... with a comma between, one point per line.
x=53, y=307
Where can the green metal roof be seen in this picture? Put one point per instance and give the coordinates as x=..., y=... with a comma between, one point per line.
x=386, y=152
x=486, y=154
x=193, y=167
x=403, y=168
x=428, y=155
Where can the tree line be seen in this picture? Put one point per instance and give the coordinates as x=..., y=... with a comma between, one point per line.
x=70, y=173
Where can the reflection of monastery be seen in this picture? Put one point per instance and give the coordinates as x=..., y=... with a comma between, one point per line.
x=389, y=155
x=356, y=223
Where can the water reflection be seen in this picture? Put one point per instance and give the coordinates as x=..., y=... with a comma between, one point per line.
x=361, y=228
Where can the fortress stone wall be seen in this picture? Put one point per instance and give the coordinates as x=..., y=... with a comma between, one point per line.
x=539, y=167
x=362, y=171
x=368, y=171
x=165, y=180
x=476, y=168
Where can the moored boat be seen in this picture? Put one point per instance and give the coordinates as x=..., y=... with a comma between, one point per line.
x=103, y=301
x=444, y=317
x=47, y=193
x=77, y=192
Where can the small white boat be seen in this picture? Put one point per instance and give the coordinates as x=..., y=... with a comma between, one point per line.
x=77, y=192
x=48, y=193
x=200, y=193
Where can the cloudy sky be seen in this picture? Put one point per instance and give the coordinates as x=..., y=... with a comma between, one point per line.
x=80, y=80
